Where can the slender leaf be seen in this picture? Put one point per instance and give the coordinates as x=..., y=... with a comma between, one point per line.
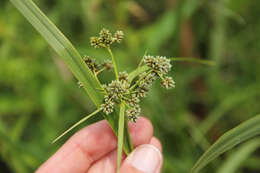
x=236, y=159
x=62, y=46
x=121, y=123
x=235, y=136
x=196, y=60
x=136, y=72
x=76, y=124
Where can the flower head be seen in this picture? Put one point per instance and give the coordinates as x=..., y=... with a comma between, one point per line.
x=118, y=36
x=159, y=64
x=80, y=84
x=168, y=82
x=133, y=113
x=117, y=89
x=95, y=42
x=107, y=64
x=105, y=37
x=91, y=63
x=108, y=105
x=123, y=76
x=133, y=100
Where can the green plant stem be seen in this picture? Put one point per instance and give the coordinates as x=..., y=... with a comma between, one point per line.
x=140, y=63
x=136, y=72
x=196, y=60
x=99, y=71
x=120, y=140
x=114, y=63
x=77, y=123
x=139, y=80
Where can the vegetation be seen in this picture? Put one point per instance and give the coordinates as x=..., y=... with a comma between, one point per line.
x=39, y=97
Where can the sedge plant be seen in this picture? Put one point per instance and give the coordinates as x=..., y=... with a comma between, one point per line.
x=124, y=92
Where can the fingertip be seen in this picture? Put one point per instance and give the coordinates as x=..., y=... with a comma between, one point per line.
x=155, y=142
x=145, y=158
x=141, y=131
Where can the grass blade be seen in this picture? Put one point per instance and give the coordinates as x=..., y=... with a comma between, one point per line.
x=235, y=136
x=76, y=124
x=62, y=46
x=121, y=123
x=235, y=160
x=196, y=60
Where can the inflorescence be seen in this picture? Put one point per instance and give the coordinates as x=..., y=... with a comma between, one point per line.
x=105, y=38
x=122, y=90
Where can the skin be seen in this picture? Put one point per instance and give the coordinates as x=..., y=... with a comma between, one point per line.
x=93, y=149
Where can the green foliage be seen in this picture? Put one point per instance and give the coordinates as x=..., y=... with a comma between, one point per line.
x=39, y=98
x=230, y=139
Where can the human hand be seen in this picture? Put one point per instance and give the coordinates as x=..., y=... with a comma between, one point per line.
x=93, y=150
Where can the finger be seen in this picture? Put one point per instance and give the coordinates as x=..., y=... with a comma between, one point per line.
x=144, y=159
x=90, y=144
x=109, y=162
x=155, y=142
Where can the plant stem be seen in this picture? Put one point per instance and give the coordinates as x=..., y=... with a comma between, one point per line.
x=140, y=63
x=137, y=82
x=136, y=72
x=114, y=62
x=197, y=60
x=77, y=123
x=99, y=71
x=120, y=142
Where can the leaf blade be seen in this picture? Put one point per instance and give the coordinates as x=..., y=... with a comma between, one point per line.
x=120, y=139
x=76, y=124
x=236, y=159
x=62, y=46
x=194, y=60
x=233, y=137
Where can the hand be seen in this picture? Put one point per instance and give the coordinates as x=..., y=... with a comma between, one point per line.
x=93, y=150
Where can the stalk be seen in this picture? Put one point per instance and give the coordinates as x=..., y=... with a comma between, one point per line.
x=114, y=63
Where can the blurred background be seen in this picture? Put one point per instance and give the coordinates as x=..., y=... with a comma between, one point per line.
x=39, y=97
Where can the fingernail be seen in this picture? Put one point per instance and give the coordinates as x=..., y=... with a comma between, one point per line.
x=146, y=158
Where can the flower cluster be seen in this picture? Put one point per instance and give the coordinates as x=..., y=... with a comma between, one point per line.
x=96, y=67
x=118, y=91
x=122, y=90
x=91, y=63
x=168, y=82
x=106, y=38
x=161, y=66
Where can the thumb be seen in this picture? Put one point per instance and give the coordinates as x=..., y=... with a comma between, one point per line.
x=144, y=159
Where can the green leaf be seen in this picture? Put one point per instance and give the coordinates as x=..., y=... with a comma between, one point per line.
x=196, y=60
x=136, y=72
x=76, y=124
x=62, y=46
x=71, y=57
x=236, y=159
x=121, y=123
x=235, y=136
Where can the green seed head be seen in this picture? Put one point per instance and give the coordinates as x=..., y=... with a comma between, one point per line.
x=118, y=36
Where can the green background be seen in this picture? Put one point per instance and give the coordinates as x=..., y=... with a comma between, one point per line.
x=39, y=97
